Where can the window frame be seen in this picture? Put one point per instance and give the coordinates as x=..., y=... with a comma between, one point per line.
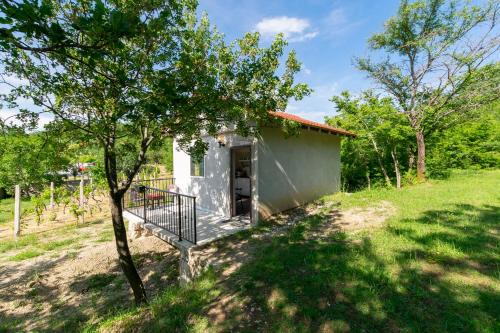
x=202, y=167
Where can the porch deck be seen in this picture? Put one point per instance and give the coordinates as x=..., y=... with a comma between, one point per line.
x=209, y=226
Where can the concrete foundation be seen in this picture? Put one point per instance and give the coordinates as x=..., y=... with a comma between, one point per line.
x=190, y=265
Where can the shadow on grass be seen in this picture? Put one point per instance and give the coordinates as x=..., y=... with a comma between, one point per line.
x=45, y=306
x=465, y=237
x=302, y=282
x=438, y=272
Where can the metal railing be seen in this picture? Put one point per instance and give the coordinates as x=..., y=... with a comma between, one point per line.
x=159, y=183
x=168, y=210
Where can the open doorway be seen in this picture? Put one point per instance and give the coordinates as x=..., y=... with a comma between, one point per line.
x=241, y=184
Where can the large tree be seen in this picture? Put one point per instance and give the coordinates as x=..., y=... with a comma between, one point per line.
x=433, y=48
x=148, y=67
x=31, y=160
x=382, y=140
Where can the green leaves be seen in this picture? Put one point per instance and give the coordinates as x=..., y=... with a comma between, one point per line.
x=432, y=49
x=149, y=67
x=384, y=137
x=30, y=160
x=473, y=144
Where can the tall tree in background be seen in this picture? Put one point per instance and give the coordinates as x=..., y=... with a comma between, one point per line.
x=31, y=160
x=433, y=49
x=107, y=69
x=382, y=133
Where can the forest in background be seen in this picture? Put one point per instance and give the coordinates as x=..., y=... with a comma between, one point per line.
x=33, y=159
x=433, y=107
x=384, y=151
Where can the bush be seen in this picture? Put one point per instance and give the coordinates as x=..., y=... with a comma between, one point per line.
x=409, y=178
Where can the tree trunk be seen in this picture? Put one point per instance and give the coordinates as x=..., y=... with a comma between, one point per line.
x=384, y=172
x=368, y=180
x=380, y=163
x=420, y=155
x=411, y=159
x=396, y=168
x=126, y=262
x=124, y=256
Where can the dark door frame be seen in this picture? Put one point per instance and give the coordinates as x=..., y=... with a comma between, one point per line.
x=232, y=176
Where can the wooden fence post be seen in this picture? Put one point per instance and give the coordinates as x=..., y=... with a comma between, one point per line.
x=17, y=211
x=51, y=194
x=82, y=198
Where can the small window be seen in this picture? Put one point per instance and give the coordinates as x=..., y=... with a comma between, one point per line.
x=197, y=167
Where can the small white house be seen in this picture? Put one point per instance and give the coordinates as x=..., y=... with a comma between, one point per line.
x=260, y=176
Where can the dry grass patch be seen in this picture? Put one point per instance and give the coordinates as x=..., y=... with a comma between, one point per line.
x=59, y=275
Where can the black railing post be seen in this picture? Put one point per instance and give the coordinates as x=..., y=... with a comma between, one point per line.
x=180, y=217
x=194, y=218
x=163, y=211
x=145, y=202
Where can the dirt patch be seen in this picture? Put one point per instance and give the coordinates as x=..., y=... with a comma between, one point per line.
x=362, y=218
x=332, y=219
x=229, y=254
x=60, y=291
x=65, y=289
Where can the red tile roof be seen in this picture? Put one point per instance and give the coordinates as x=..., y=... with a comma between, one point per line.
x=310, y=123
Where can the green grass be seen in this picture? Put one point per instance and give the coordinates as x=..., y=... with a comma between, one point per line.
x=434, y=267
x=106, y=236
x=26, y=254
x=177, y=309
x=100, y=281
x=7, y=209
x=62, y=237
x=57, y=244
x=23, y=241
x=34, y=246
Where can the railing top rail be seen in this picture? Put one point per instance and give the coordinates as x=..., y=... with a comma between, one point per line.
x=158, y=204
x=152, y=179
x=169, y=192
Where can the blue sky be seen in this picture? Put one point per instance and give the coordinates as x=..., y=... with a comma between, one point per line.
x=326, y=35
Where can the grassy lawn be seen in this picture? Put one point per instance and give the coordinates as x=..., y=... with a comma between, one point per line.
x=51, y=234
x=53, y=239
x=7, y=209
x=59, y=276
x=433, y=267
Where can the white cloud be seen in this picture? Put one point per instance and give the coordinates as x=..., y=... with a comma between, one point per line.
x=293, y=28
x=304, y=37
x=306, y=70
x=337, y=17
x=337, y=23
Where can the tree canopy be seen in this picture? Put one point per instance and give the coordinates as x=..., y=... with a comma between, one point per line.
x=383, y=138
x=432, y=49
x=147, y=68
x=31, y=159
x=384, y=148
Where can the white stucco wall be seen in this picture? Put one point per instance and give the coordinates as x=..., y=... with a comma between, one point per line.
x=212, y=190
x=296, y=170
x=286, y=172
